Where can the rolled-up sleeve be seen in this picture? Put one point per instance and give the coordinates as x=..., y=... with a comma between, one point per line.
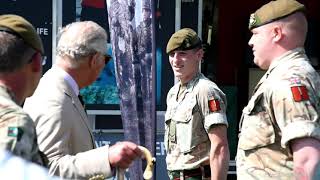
x=297, y=118
x=216, y=114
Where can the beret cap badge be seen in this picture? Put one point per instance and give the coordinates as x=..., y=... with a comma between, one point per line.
x=252, y=20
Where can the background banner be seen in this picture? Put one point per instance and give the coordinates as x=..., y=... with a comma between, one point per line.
x=41, y=19
x=132, y=39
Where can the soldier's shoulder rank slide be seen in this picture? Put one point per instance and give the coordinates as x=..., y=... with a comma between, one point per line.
x=214, y=105
x=298, y=90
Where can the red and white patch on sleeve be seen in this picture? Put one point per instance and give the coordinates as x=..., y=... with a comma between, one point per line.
x=214, y=105
x=299, y=93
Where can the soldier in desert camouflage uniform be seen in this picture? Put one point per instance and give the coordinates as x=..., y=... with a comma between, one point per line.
x=144, y=32
x=144, y=56
x=195, y=121
x=124, y=46
x=20, y=70
x=280, y=129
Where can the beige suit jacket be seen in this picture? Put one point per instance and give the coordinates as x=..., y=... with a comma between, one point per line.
x=63, y=130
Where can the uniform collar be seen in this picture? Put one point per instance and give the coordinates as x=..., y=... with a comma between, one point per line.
x=9, y=94
x=189, y=85
x=285, y=57
x=282, y=59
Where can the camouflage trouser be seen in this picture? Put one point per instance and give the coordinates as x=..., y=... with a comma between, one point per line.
x=176, y=175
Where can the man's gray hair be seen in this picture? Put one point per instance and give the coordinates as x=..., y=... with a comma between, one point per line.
x=81, y=39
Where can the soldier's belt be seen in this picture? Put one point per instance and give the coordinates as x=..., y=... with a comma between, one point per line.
x=204, y=171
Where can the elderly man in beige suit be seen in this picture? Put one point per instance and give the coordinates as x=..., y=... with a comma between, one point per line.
x=62, y=125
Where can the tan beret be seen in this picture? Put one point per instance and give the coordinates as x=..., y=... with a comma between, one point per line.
x=20, y=27
x=184, y=39
x=273, y=11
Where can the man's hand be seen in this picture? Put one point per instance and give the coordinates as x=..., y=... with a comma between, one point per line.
x=122, y=154
x=306, y=157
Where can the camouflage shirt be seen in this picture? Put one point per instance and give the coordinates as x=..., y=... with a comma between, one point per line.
x=189, y=116
x=285, y=106
x=17, y=130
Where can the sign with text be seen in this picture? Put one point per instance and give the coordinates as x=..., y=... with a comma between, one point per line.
x=40, y=18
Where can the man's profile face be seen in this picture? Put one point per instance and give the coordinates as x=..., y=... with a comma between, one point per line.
x=261, y=43
x=185, y=63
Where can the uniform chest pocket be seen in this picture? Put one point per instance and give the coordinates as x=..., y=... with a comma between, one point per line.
x=257, y=129
x=180, y=112
x=189, y=129
x=185, y=110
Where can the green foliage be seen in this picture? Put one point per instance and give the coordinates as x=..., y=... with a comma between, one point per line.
x=100, y=94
